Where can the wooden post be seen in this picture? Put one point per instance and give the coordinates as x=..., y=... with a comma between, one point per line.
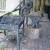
x=42, y=5
x=38, y=5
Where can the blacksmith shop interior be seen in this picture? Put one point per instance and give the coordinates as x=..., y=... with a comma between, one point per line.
x=24, y=24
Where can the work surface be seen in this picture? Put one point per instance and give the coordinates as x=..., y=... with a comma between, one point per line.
x=8, y=23
x=10, y=20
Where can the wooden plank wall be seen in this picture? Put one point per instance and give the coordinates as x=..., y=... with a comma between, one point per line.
x=38, y=5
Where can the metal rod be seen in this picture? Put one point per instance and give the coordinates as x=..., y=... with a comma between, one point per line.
x=23, y=28
x=18, y=43
x=5, y=32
